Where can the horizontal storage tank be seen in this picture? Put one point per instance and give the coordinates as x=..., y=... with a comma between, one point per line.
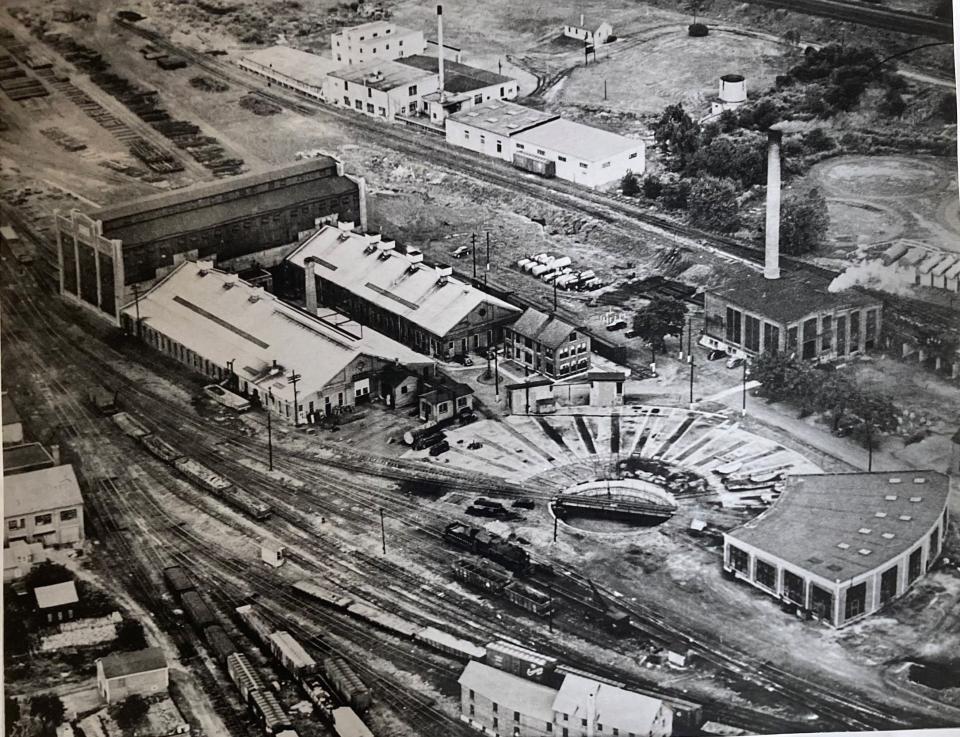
x=541, y=269
x=561, y=262
x=535, y=164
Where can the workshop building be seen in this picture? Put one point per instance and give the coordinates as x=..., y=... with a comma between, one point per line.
x=462, y=88
x=532, y=396
x=228, y=330
x=375, y=41
x=546, y=344
x=795, y=314
x=56, y=602
x=291, y=69
x=123, y=674
x=546, y=144
x=107, y=257
x=884, y=530
x=424, y=307
x=43, y=506
x=381, y=89
x=444, y=400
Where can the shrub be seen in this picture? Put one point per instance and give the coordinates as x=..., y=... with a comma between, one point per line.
x=698, y=30
x=131, y=712
x=804, y=222
x=760, y=115
x=713, y=205
x=948, y=107
x=893, y=104
x=675, y=193
x=728, y=121
x=818, y=140
x=652, y=186
x=741, y=159
x=629, y=185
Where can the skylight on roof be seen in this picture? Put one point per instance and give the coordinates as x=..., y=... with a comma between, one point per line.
x=864, y=551
x=919, y=480
x=891, y=497
x=491, y=120
x=881, y=515
x=895, y=480
x=864, y=530
x=843, y=546
x=888, y=535
x=916, y=499
x=511, y=126
x=905, y=517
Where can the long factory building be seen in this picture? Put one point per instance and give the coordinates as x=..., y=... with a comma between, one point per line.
x=109, y=255
x=223, y=327
x=424, y=307
x=841, y=546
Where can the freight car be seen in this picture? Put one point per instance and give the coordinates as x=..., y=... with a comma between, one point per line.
x=200, y=475
x=219, y=642
x=529, y=598
x=130, y=426
x=197, y=610
x=488, y=545
x=160, y=448
x=291, y=654
x=482, y=574
x=346, y=723
x=256, y=623
x=268, y=712
x=384, y=620
x=177, y=580
x=347, y=683
x=447, y=643
x=244, y=501
x=244, y=676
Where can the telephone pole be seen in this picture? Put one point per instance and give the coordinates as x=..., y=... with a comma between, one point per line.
x=293, y=379
x=487, y=270
x=473, y=245
x=270, y=429
x=690, y=360
x=136, y=304
x=383, y=533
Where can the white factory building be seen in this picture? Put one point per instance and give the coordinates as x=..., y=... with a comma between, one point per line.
x=546, y=144
x=290, y=68
x=461, y=87
x=383, y=89
x=375, y=41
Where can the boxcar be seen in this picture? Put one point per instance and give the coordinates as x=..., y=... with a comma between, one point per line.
x=347, y=683
x=197, y=610
x=219, y=642
x=291, y=654
x=177, y=579
x=268, y=711
x=346, y=723
x=161, y=448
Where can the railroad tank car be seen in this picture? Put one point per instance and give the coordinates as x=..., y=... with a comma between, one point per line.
x=256, y=623
x=129, y=426
x=244, y=676
x=291, y=654
x=160, y=448
x=177, y=580
x=201, y=475
x=268, y=712
x=529, y=598
x=347, y=683
x=197, y=610
x=481, y=573
x=219, y=642
x=346, y=723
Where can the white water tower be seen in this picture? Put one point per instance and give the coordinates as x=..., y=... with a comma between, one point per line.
x=733, y=91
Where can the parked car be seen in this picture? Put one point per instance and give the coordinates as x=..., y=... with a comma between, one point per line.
x=618, y=325
x=464, y=359
x=461, y=251
x=735, y=362
x=630, y=334
x=226, y=398
x=716, y=355
x=442, y=447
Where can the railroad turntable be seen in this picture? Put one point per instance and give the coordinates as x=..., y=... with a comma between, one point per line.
x=614, y=505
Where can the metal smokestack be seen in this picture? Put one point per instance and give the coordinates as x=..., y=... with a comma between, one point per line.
x=440, y=47
x=771, y=260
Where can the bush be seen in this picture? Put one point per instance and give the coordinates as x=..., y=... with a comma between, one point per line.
x=804, y=221
x=741, y=159
x=629, y=185
x=131, y=712
x=728, y=121
x=698, y=30
x=893, y=104
x=818, y=140
x=675, y=193
x=713, y=205
x=652, y=186
x=760, y=115
x=130, y=636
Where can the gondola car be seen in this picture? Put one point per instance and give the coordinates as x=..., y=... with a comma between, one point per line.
x=160, y=448
x=482, y=574
x=529, y=598
x=219, y=642
x=199, y=614
x=246, y=502
x=129, y=426
x=177, y=580
x=200, y=474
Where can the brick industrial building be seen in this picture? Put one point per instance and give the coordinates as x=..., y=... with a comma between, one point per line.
x=840, y=546
x=43, y=506
x=107, y=256
x=397, y=294
x=547, y=345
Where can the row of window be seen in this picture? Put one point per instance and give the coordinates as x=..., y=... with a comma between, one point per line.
x=817, y=335
x=41, y=519
x=548, y=726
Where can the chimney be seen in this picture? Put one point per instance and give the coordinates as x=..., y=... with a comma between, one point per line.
x=310, y=285
x=771, y=260
x=581, y=20
x=440, y=47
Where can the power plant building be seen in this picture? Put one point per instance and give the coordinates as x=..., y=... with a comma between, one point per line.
x=546, y=144
x=460, y=87
x=108, y=256
x=841, y=546
x=423, y=307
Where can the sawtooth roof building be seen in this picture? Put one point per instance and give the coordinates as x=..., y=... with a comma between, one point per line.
x=841, y=546
x=212, y=321
x=424, y=307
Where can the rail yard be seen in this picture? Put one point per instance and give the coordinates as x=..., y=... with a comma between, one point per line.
x=349, y=481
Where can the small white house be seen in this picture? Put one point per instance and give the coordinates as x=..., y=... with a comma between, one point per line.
x=596, y=36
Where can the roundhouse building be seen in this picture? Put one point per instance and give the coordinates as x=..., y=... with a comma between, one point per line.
x=107, y=256
x=841, y=546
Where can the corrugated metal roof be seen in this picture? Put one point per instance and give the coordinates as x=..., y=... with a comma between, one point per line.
x=579, y=141
x=816, y=513
x=40, y=491
x=457, y=77
x=529, y=698
x=58, y=594
x=416, y=294
x=195, y=307
x=116, y=665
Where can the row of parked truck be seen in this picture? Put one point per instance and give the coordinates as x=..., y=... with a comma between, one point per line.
x=559, y=270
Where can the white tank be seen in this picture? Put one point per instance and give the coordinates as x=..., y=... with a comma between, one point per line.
x=562, y=261
x=733, y=88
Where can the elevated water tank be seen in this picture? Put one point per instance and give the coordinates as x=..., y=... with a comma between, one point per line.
x=733, y=89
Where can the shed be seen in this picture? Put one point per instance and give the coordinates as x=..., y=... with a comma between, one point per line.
x=272, y=553
x=140, y=672
x=57, y=602
x=445, y=401
x=606, y=388
x=19, y=557
x=531, y=397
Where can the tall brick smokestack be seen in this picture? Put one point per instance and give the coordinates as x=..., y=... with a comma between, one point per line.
x=771, y=259
x=440, y=47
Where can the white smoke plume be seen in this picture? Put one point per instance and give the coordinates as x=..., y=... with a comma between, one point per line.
x=873, y=274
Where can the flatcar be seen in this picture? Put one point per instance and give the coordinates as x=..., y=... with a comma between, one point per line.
x=160, y=448
x=219, y=642
x=200, y=474
x=382, y=619
x=347, y=683
x=481, y=573
x=529, y=598
x=321, y=593
x=246, y=502
x=178, y=580
x=129, y=426
x=447, y=643
x=319, y=695
x=346, y=723
x=197, y=610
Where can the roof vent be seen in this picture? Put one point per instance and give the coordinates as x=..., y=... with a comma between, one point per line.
x=415, y=256
x=229, y=284
x=413, y=269
x=343, y=237
x=919, y=480
x=881, y=515
x=888, y=535
x=864, y=551
x=253, y=298
x=864, y=530
x=905, y=518
x=444, y=272
x=895, y=480
x=202, y=272
x=384, y=255
x=370, y=249
x=843, y=546
x=916, y=499
x=891, y=497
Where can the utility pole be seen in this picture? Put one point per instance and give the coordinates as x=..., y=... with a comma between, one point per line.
x=690, y=361
x=555, y=523
x=487, y=270
x=653, y=359
x=230, y=370
x=746, y=373
x=496, y=373
x=604, y=89
x=293, y=379
x=554, y=295
x=383, y=533
x=473, y=244
x=869, y=448
x=270, y=438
